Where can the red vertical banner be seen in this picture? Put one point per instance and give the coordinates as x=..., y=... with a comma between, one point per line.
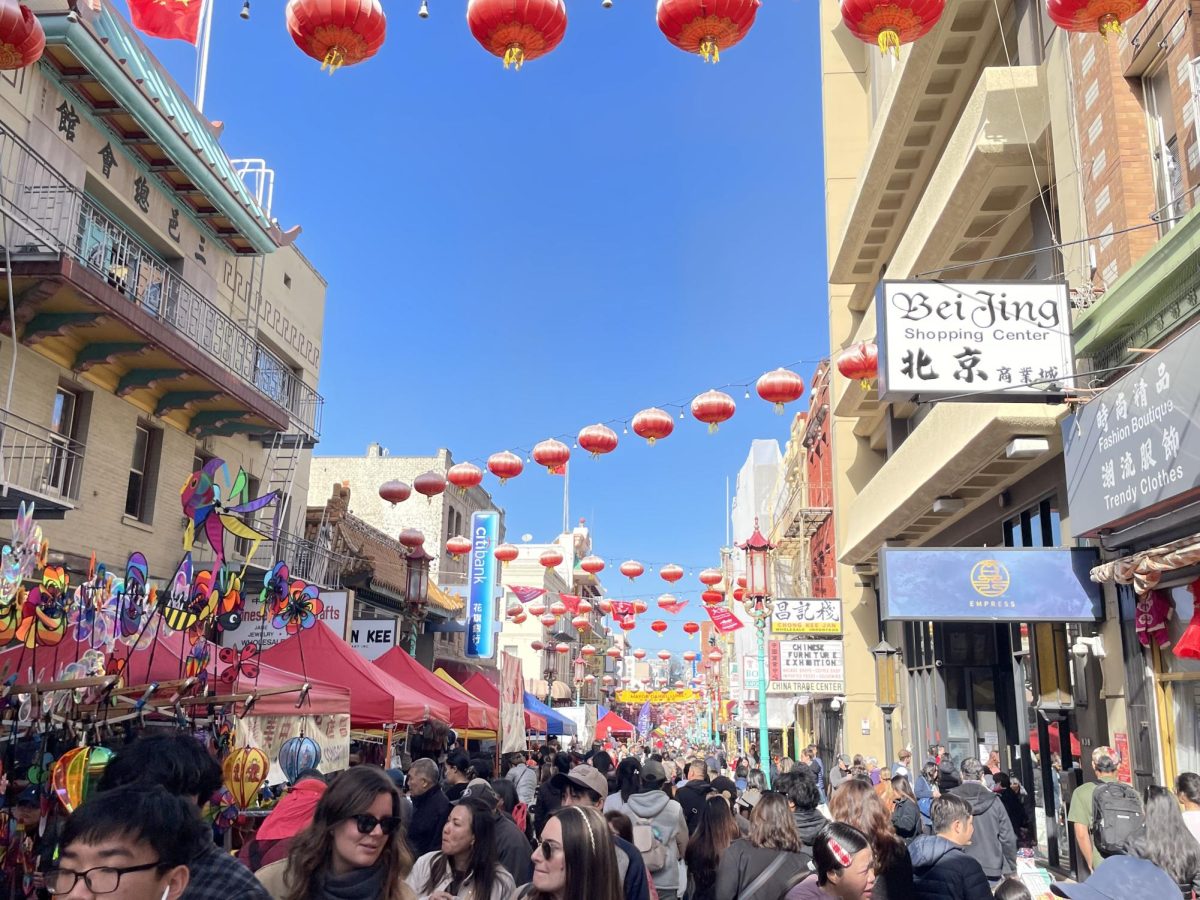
x=1121, y=745
x=774, y=663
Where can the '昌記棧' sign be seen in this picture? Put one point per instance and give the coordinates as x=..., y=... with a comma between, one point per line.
x=810, y=667
x=941, y=339
x=791, y=615
x=1126, y=451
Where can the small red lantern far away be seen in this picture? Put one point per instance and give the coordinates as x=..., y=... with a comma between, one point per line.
x=631, y=569
x=670, y=573
x=517, y=30
x=562, y=649
x=458, y=546
x=860, y=362
x=429, y=485
x=464, y=476
x=715, y=655
x=712, y=598
x=653, y=424
x=505, y=465
x=713, y=408
x=613, y=652
x=691, y=627
x=395, y=491
x=709, y=577
x=581, y=623
x=506, y=553
x=664, y=655
x=548, y=619
x=1091, y=16
x=551, y=558
x=639, y=654
x=689, y=656
x=597, y=439
x=658, y=626
x=780, y=387
x=593, y=565
x=640, y=606
x=551, y=454
x=628, y=624
x=890, y=23
x=22, y=38
x=706, y=27
x=337, y=32
x=412, y=538
x=587, y=651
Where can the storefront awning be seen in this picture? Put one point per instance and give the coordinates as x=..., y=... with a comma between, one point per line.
x=1146, y=569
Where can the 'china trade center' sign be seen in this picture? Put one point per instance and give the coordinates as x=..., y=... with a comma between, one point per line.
x=947, y=339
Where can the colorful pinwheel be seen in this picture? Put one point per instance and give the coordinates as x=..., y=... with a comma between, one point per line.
x=238, y=663
x=44, y=612
x=212, y=502
x=196, y=664
x=299, y=608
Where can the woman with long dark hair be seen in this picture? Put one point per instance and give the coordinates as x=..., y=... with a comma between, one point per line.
x=629, y=781
x=458, y=773
x=575, y=859
x=906, y=818
x=353, y=850
x=766, y=864
x=466, y=866
x=844, y=863
x=715, y=831
x=1187, y=788
x=1166, y=840
x=856, y=803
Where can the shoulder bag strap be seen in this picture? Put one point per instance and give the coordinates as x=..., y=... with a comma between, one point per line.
x=763, y=877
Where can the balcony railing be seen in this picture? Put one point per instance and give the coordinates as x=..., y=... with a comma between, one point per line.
x=50, y=215
x=310, y=561
x=801, y=509
x=38, y=461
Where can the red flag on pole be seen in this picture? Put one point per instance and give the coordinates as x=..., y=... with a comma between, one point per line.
x=171, y=19
x=723, y=619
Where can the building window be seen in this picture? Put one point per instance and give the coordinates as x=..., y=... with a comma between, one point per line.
x=139, y=496
x=1038, y=526
x=64, y=432
x=1164, y=147
x=287, y=280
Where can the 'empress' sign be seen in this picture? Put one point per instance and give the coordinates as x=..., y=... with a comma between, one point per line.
x=939, y=339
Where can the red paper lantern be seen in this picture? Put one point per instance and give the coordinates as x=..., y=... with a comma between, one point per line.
x=860, y=362
x=589, y=678
x=679, y=685
x=537, y=608
x=551, y=454
x=604, y=605
x=593, y=565
x=608, y=681
x=713, y=408
x=689, y=656
x=562, y=649
x=738, y=594
x=653, y=424
x=639, y=654
x=597, y=439
x=22, y=38
x=506, y=553
x=429, y=485
x=712, y=598
x=1104, y=16
x=670, y=573
x=464, y=476
x=628, y=624
x=658, y=626
x=584, y=607
x=517, y=30
x=551, y=558
x=613, y=652
x=337, y=32
x=395, y=491
x=548, y=620
x=715, y=655
x=412, y=538
x=505, y=465
x=691, y=627
x=514, y=609
x=779, y=387
x=640, y=606
x=587, y=651
x=706, y=26
x=458, y=546
x=631, y=569
x=537, y=646
x=741, y=581
x=558, y=608
x=890, y=23
x=581, y=623
x=664, y=654
x=710, y=577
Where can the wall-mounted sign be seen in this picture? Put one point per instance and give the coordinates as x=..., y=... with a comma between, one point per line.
x=481, y=579
x=940, y=339
x=1127, y=451
x=791, y=615
x=999, y=584
x=254, y=629
x=373, y=637
x=653, y=697
x=812, y=667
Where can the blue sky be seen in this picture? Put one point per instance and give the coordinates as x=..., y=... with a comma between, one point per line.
x=512, y=256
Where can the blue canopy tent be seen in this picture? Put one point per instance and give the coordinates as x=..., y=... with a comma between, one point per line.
x=555, y=723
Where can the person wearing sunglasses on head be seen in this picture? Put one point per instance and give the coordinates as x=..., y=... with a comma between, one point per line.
x=131, y=843
x=353, y=850
x=575, y=859
x=466, y=867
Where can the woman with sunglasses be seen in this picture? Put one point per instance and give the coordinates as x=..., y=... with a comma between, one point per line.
x=353, y=850
x=466, y=867
x=575, y=859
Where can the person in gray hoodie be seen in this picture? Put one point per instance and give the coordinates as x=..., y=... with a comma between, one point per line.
x=994, y=845
x=658, y=821
x=942, y=870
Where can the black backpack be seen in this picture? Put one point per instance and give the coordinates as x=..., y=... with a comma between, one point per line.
x=1116, y=817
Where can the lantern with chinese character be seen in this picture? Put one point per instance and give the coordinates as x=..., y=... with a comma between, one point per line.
x=653, y=424
x=639, y=653
x=505, y=465
x=506, y=553
x=1089, y=16
x=890, y=23
x=464, y=476
x=713, y=408
x=779, y=387
x=337, y=32
x=458, y=546
x=860, y=362
x=593, y=565
x=631, y=569
x=706, y=27
x=517, y=30
x=691, y=627
x=429, y=485
x=670, y=573
x=395, y=491
x=597, y=439
x=551, y=558
x=551, y=454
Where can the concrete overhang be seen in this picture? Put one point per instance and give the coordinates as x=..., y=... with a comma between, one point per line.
x=926, y=94
x=958, y=450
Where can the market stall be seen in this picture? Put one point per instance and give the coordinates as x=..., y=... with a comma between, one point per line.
x=466, y=711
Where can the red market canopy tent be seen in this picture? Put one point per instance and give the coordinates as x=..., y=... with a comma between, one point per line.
x=465, y=711
x=488, y=693
x=376, y=698
x=614, y=723
x=1055, y=741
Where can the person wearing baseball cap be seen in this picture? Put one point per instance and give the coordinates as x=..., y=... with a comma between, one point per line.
x=586, y=786
x=1105, y=761
x=658, y=826
x=512, y=848
x=1118, y=878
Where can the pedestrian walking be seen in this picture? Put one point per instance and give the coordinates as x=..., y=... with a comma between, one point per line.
x=768, y=863
x=575, y=859
x=942, y=870
x=856, y=803
x=1167, y=842
x=716, y=829
x=466, y=867
x=431, y=807
x=994, y=845
x=844, y=863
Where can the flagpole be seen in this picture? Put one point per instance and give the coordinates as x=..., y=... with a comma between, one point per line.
x=202, y=53
x=566, y=497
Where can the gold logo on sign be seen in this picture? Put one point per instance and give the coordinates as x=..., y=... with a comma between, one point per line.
x=989, y=578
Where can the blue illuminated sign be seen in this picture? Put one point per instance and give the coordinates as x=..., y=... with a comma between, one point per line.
x=482, y=576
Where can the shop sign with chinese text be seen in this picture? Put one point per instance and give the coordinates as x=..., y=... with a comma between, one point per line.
x=256, y=625
x=942, y=339
x=1128, y=451
x=809, y=667
x=807, y=615
x=654, y=697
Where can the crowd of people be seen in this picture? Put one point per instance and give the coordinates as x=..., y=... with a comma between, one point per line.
x=564, y=824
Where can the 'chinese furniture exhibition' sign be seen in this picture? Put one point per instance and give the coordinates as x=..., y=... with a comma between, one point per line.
x=803, y=615
x=805, y=667
x=942, y=339
x=1125, y=451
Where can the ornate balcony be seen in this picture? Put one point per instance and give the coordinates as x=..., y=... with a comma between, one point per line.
x=37, y=465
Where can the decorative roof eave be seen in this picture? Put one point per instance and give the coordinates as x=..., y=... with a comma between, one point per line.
x=94, y=40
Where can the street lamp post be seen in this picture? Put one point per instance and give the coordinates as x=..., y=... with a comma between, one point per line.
x=579, y=664
x=885, y=691
x=758, y=603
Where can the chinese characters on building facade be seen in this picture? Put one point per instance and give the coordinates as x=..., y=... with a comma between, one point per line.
x=806, y=616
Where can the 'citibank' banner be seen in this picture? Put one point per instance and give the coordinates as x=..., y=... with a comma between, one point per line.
x=997, y=584
x=481, y=576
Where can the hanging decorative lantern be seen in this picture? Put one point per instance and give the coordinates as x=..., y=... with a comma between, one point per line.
x=429, y=485
x=515, y=609
x=653, y=424
x=679, y=685
x=604, y=605
x=587, y=651
x=1090, y=16
x=631, y=569
x=890, y=23
x=658, y=626
x=741, y=581
x=412, y=538
x=581, y=623
x=589, y=678
x=715, y=655
x=597, y=440
x=517, y=30
x=780, y=387
x=464, y=476
x=551, y=454
x=506, y=553
x=548, y=620
x=670, y=573
x=706, y=27
x=664, y=654
x=738, y=594
x=551, y=558
x=562, y=649
x=558, y=608
x=613, y=652
x=712, y=598
x=585, y=608
x=458, y=546
x=691, y=627
x=395, y=491
x=537, y=646
x=639, y=607
x=689, y=656
x=608, y=681
x=505, y=465
x=713, y=408
x=639, y=653
x=593, y=565
x=628, y=624
x=297, y=754
x=337, y=32
x=520, y=618
x=709, y=577
x=536, y=608
x=860, y=362
x=245, y=770
x=22, y=39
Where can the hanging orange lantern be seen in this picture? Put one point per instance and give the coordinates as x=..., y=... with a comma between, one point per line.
x=589, y=678
x=412, y=538
x=640, y=606
x=587, y=651
x=715, y=655
x=653, y=424
x=706, y=27
x=537, y=646
x=709, y=577
x=664, y=655
x=536, y=608
x=337, y=32
x=22, y=39
x=464, y=476
x=505, y=465
x=738, y=594
x=245, y=770
x=631, y=569
x=584, y=607
x=713, y=408
x=429, y=485
x=628, y=624
x=670, y=573
x=458, y=546
x=597, y=439
x=779, y=387
x=689, y=656
x=691, y=627
x=1090, y=16
x=506, y=553
x=890, y=23
x=558, y=608
x=517, y=30
x=604, y=605
x=658, y=626
x=548, y=620
x=861, y=362
x=551, y=558
x=551, y=454
x=593, y=565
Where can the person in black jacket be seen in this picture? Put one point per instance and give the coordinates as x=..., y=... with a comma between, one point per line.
x=995, y=844
x=804, y=797
x=431, y=808
x=693, y=794
x=941, y=868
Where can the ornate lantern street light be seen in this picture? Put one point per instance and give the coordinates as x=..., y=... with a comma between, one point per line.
x=885, y=689
x=758, y=603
